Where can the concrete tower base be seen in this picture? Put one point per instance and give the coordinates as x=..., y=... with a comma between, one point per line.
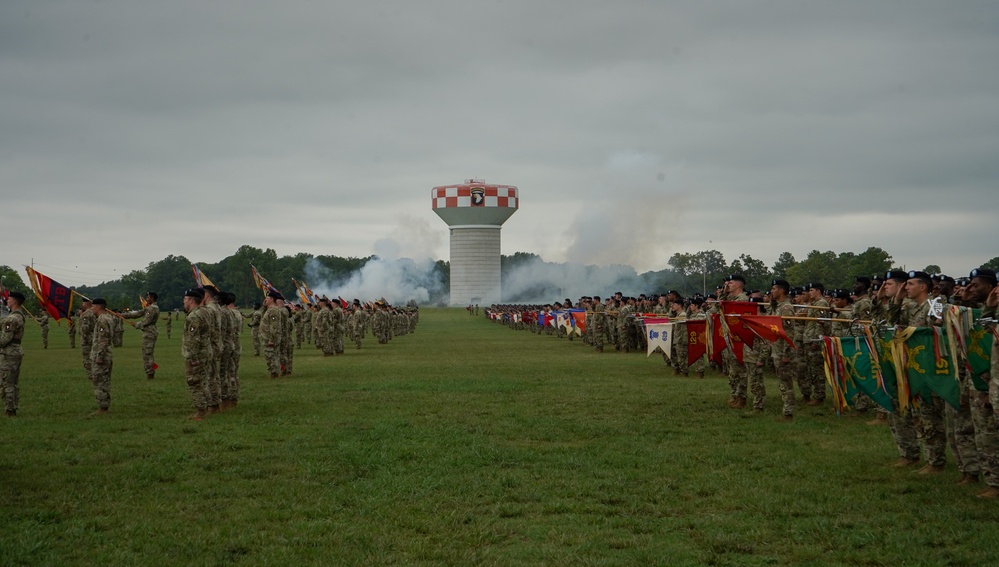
x=475, y=265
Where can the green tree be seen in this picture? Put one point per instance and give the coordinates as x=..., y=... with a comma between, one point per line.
x=784, y=261
x=992, y=264
x=932, y=269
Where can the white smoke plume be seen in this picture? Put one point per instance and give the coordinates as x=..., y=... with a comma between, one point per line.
x=536, y=281
x=392, y=274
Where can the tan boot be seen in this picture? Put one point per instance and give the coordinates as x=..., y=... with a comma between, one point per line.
x=968, y=478
x=786, y=419
x=990, y=493
x=931, y=469
x=740, y=403
x=199, y=415
x=880, y=419
x=903, y=462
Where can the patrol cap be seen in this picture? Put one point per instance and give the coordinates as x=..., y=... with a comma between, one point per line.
x=781, y=284
x=984, y=273
x=17, y=295
x=736, y=278
x=196, y=293
x=100, y=301
x=896, y=275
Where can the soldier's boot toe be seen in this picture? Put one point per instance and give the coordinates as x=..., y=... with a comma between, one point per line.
x=903, y=462
x=968, y=478
x=931, y=469
x=990, y=493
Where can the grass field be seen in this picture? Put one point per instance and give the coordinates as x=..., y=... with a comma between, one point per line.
x=464, y=443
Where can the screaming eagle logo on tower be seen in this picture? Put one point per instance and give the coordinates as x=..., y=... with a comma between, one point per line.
x=478, y=197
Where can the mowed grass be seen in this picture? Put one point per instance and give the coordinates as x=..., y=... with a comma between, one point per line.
x=464, y=443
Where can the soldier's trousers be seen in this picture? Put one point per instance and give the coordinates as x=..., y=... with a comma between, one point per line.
x=197, y=384
x=45, y=337
x=814, y=370
x=255, y=334
x=801, y=371
x=986, y=436
x=903, y=432
x=148, y=347
x=287, y=352
x=273, y=360
x=214, y=383
x=785, y=379
x=10, y=373
x=88, y=365
x=754, y=372
x=72, y=340
x=100, y=377
x=231, y=377
x=931, y=430
x=736, y=374
x=960, y=427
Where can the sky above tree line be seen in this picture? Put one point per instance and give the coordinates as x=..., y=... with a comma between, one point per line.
x=634, y=130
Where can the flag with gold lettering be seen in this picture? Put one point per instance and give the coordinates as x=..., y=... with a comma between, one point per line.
x=697, y=344
x=55, y=298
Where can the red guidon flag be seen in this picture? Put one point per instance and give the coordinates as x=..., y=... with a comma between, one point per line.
x=697, y=339
x=767, y=327
x=738, y=334
x=56, y=298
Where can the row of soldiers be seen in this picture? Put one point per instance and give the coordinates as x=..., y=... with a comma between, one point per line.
x=896, y=299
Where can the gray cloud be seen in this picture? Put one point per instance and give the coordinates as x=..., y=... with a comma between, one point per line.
x=634, y=130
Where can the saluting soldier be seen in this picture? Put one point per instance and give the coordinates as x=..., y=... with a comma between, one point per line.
x=87, y=322
x=150, y=314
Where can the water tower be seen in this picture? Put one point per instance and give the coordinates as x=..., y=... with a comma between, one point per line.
x=475, y=211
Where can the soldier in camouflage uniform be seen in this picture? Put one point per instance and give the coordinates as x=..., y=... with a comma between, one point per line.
x=254, y=324
x=903, y=427
x=168, y=324
x=11, y=354
x=86, y=330
x=296, y=320
x=306, y=323
x=230, y=377
x=214, y=314
x=814, y=330
x=681, y=338
x=985, y=404
x=694, y=312
x=287, y=339
x=43, y=325
x=339, y=327
x=597, y=325
x=734, y=290
x=196, y=349
x=118, y=336
x=271, y=331
x=101, y=359
x=752, y=358
x=150, y=314
x=74, y=320
x=781, y=351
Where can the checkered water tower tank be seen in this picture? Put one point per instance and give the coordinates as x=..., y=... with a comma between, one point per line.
x=475, y=211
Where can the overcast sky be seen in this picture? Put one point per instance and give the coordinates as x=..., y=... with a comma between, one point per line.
x=136, y=130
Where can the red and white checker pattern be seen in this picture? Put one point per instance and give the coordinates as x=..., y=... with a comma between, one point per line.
x=461, y=196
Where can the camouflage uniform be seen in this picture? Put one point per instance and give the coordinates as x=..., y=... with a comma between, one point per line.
x=271, y=331
x=71, y=331
x=43, y=325
x=118, y=332
x=214, y=314
x=236, y=349
x=783, y=357
x=196, y=349
x=11, y=333
x=306, y=321
x=150, y=315
x=255, y=329
x=168, y=325
x=597, y=328
x=296, y=320
x=814, y=363
x=903, y=427
x=101, y=359
x=287, y=353
x=226, y=355
x=87, y=322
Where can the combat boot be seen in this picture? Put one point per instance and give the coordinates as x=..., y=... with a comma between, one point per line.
x=786, y=419
x=931, y=469
x=903, y=462
x=968, y=478
x=880, y=419
x=990, y=493
x=740, y=402
x=199, y=415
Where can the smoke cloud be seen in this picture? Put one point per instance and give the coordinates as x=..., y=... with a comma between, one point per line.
x=537, y=281
x=392, y=274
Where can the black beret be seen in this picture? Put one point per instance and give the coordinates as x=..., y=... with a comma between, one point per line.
x=274, y=295
x=863, y=279
x=100, y=301
x=196, y=293
x=17, y=295
x=736, y=278
x=815, y=285
x=896, y=275
x=782, y=284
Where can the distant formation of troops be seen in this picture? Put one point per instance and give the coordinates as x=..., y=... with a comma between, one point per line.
x=896, y=299
x=211, y=346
